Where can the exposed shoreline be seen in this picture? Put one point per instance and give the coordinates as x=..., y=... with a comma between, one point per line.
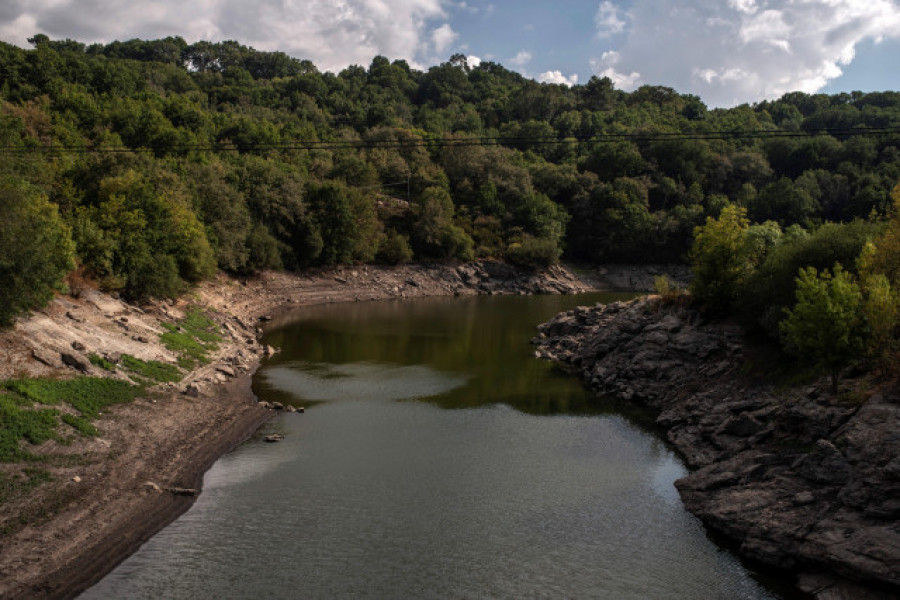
x=798, y=479
x=97, y=513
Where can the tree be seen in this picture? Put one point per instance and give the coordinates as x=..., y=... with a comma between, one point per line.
x=825, y=326
x=719, y=259
x=36, y=249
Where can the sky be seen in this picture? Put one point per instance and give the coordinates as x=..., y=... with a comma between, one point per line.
x=727, y=52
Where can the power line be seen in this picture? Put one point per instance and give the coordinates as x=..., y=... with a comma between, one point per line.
x=635, y=137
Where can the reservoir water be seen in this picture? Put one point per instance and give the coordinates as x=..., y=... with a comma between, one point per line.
x=437, y=458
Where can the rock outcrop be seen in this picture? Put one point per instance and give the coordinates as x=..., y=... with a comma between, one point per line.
x=798, y=479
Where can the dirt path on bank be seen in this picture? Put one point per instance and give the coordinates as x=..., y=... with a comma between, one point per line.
x=109, y=493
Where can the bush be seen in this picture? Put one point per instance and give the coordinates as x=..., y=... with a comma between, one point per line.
x=394, y=249
x=534, y=253
x=36, y=249
x=765, y=294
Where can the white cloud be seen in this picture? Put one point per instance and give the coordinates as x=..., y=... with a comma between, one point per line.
x=558, y=77
x=473, y=61
x=608, y=20
x=522, y=58
x=605, y=66
x=443, y=37
x=331, y=33
x=743, y=50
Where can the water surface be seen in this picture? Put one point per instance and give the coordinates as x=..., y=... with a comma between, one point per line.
x=437, y=458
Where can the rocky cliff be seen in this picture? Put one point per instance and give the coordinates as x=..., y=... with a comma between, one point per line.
x=797, y=478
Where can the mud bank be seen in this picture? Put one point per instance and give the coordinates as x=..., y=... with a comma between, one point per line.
x=798, y=479
x=110, y=493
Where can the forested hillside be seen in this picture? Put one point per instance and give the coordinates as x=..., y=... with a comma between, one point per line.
x=147, y=165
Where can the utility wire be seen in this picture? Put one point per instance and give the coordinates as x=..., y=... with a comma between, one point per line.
x=637, y=137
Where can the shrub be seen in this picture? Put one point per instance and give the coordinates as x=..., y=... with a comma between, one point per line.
x=395, y=249
x=534, y=253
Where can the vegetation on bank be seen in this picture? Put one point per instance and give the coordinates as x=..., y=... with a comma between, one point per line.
x=32, y=409
x=147, y=165
x=25, y=419
x=830, y=296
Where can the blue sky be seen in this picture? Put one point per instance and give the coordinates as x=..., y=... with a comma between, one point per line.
x=725, y=51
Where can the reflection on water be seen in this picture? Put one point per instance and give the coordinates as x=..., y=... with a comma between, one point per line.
x=358, y=381
x=529, y=488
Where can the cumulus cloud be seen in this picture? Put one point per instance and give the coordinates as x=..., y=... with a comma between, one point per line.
x=522, y=58
x=443, y=37
x=558, y=77
x=605, y=66
x=608, y=20
x=473, y=61
x=742, y=50
x=331, y=33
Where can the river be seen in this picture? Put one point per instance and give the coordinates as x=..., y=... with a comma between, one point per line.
x=437, y=458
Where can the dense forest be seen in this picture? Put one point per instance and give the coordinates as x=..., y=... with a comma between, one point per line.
x=148, y=165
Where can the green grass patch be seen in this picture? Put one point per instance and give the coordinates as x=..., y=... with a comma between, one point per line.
x=19, y=423
x=193, y=338
x=20, y=420
x=99, y=361
x=80, y=424
x=152, y=369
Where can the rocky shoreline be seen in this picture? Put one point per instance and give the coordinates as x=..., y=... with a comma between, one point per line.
x=110, y=493
x=798, y=479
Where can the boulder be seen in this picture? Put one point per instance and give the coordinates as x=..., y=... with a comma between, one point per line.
x=76, y=362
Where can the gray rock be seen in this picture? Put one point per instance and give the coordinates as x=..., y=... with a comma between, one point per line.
x=225, y=370
x=78, y=346
x=43, y=356
x=825, y=464
x=76, y=362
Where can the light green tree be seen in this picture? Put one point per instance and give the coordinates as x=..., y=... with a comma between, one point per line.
x=718, y=259
x=826, y=326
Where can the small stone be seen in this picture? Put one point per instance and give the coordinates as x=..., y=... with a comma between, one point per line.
x=76, y=479
x=141, y=339
x=192, y=390
x=76, y=345
x=804, y=498
x=225, y=370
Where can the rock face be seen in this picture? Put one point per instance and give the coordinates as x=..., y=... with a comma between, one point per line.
x=798, y=479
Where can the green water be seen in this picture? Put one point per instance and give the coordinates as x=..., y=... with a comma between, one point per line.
x=437, y=458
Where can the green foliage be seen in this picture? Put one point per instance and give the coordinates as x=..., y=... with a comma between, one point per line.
x=36, y=249
x=151, y=369
x=534, y=253
x=99, y=361
x=394, y=249
x=825, y=326
x=193, y=338
x=770, y=288
x=881, y=308
x=22, y=422
x=307, y=155
x=719, y=259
